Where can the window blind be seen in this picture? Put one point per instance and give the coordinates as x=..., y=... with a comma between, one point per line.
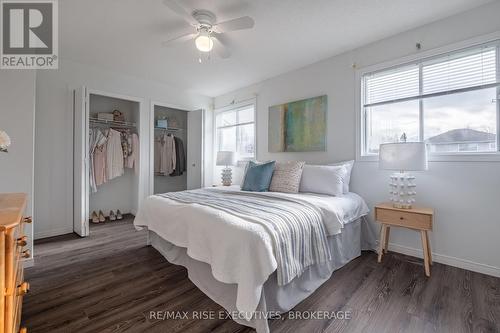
x=392, y=84
x=469, y=69
x=460, y=70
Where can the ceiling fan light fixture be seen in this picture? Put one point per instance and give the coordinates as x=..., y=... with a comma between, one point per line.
x=204, y=42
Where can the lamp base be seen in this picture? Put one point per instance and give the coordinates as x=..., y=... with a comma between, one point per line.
x=227, y=176
x=402, y=190
x=402, y=206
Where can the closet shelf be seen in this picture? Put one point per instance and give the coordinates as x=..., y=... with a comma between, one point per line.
x=113, y=123
x=173, y=129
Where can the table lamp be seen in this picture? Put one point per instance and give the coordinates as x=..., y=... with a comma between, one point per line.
x=226, y=158
x=403, y=156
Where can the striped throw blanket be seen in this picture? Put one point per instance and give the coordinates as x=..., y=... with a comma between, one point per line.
x=296, y=227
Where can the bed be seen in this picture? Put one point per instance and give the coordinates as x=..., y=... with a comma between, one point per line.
x=232, y=256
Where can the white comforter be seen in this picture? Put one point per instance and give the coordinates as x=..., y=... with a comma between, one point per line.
x=238, y=251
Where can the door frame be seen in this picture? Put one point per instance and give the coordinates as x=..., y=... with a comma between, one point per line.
x=151, y=170
x=143, y=130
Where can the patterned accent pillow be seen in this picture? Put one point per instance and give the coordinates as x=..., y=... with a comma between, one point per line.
x=286, y=177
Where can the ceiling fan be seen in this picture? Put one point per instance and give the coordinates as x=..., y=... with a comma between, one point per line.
x=207, y=29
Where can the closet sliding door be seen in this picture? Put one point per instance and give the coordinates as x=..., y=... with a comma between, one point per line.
x=195, y=149
x=81, y=185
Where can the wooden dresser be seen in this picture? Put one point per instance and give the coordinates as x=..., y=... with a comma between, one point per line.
x=12, y=243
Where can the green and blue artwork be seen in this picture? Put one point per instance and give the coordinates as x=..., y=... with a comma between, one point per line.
x=298, y=126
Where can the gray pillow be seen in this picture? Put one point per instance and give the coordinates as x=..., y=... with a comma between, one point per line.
x=286, y=177
x=258, y=177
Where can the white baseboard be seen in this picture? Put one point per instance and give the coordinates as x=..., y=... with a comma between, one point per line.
x=447, y=260
x=30, y=262
x=54, y=232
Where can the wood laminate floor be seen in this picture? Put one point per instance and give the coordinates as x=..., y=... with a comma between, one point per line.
x=111, y=281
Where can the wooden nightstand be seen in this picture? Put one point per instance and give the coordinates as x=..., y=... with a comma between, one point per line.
x=416, y=218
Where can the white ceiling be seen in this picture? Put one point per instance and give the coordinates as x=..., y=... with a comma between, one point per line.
x=125, y=35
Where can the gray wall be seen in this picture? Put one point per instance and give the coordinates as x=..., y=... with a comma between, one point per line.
x=17, y=118
x=465, y=195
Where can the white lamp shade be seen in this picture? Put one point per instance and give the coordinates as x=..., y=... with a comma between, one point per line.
x=226, y=158
x=403, y=156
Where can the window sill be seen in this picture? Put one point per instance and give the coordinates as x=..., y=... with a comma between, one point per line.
x=471, y=157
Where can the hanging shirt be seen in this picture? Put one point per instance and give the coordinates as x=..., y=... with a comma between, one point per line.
x=157, y=152
x=114, y=155
x=92, y=138
x=165, y=151
x=133, y=156
x=180, y=158
x=99, y=159
x=170, y=157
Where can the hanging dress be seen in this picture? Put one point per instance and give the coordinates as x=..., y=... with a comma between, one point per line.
x=114, y=155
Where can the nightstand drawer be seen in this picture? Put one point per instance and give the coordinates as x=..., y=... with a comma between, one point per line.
x=404, y=219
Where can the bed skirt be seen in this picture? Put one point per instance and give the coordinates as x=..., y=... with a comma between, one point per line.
x=356, y=236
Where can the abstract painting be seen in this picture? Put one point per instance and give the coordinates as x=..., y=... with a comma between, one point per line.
x=298, y=126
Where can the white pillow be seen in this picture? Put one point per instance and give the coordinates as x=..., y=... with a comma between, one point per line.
x=348, y=165
x=323, y=179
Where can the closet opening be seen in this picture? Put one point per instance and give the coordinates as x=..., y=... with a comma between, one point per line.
x=176, y=148
x=107, y=186
x=170, y=149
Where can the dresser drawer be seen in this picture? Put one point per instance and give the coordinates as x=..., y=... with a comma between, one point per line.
x=21, y=288
x=404, y=219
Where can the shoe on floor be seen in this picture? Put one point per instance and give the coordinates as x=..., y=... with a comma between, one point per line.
x=94, y=217
x=112, y=216
x=119, y=215
x=102, y=218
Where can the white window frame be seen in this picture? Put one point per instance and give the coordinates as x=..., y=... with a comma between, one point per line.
x=420, y=57
x=240, y=105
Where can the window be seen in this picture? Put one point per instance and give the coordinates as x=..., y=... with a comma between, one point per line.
x=449, y=101
x=235, y=131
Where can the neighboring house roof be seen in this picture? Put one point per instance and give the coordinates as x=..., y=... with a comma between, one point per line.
x=462, y=135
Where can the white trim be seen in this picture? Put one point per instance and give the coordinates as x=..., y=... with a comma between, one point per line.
x=498, y=97
x=447, y=260
x=360, y=126
x=452, y=157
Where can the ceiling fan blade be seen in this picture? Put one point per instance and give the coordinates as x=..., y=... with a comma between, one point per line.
x=179, y=39
x=240, y=23
x=221, y=50
x=174, y=6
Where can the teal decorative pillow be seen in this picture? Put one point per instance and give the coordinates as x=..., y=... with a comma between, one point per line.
x=258, y=177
